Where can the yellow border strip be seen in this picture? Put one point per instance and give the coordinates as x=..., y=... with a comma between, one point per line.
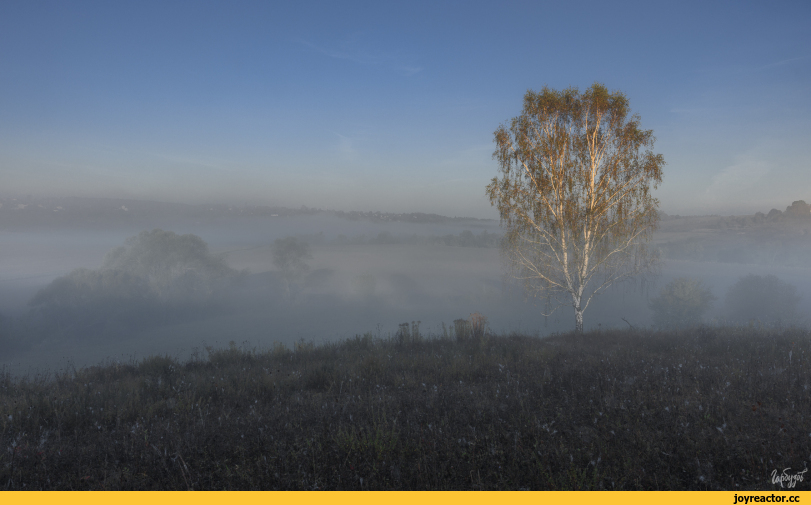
x=407, y=498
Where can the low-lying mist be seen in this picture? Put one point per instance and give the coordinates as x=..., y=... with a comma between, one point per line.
x=82, y=293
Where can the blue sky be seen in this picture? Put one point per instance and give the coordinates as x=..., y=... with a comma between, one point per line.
x=391, y=107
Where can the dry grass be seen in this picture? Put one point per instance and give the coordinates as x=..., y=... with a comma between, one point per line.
x=702, y=409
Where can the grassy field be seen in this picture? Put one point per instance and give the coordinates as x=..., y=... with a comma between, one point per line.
x=709, y=408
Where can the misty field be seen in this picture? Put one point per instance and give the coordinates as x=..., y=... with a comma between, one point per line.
x=364, y=276
x=708, y=408
x=429, y=404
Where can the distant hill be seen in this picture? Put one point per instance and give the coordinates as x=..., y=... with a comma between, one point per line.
x=776, y=237
x=412, y=217
x=18, y=212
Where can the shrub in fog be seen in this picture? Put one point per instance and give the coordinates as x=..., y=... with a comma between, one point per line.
x=763, y=298
x=461, y=329
x=473, y=328
x=289, y=255
x=682, y=303
x=83, y=286
x=175, y=267
x=409, y=334
x=84, y=299
x=799, y=208
x=774, y=215
x=156, y=276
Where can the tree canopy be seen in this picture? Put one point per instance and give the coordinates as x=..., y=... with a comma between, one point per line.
x=575, y=193
x=173, y=266
x=289, y=255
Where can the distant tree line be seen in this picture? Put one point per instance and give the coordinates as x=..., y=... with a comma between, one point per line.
x=28, y=211
x=464, y=239
x=776, y=238
x=410, y=217
x=797, y=210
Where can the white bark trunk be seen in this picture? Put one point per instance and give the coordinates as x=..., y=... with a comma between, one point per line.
x=578, y=314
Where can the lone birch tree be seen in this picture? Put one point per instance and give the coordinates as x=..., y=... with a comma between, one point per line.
x=574, y=194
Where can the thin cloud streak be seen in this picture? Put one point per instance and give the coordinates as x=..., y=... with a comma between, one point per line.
x=345, y=144
x=782, y=62
x=739, y=180
x=363, y=57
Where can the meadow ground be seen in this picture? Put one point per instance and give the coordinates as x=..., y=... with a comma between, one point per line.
x=708, y=408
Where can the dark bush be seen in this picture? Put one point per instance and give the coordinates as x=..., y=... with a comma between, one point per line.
x=83, y=287
x=799, y=209
x=682, y=303
x=87, y=301
x=766, y=299
x=155, y=278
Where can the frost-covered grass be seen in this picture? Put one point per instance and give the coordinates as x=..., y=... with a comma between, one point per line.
x=712, y=408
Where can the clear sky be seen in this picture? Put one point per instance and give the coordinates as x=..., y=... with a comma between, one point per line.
x=390, y=106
